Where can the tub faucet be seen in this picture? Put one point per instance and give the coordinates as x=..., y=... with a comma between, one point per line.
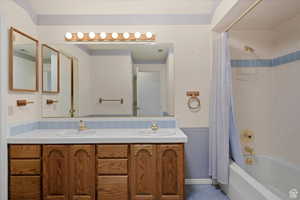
x=82, y=126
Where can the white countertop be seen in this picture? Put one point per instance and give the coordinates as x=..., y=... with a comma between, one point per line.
x=72, y=136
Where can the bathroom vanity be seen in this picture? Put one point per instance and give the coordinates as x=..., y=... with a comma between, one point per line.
x=130, y=147
x=98, y=165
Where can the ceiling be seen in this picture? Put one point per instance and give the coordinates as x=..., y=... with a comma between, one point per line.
x=269, y=14
x=141, y=53
x=111, y=7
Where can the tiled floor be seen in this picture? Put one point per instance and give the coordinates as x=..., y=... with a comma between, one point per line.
x=204, y=192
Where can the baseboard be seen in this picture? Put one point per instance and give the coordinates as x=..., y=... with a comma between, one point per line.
x=198, y=181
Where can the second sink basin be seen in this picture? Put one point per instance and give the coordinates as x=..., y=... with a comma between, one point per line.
x=157, y=133
x=74, y=133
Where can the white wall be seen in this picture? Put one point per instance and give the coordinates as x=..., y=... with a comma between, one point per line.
x=227, y=12
x=112, y=78
x=267, y=98
x=13, y=15
x=17, y=17
x=192, y=57
x=222, y=10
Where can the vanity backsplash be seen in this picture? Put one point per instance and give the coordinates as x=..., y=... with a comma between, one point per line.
x=16, y=129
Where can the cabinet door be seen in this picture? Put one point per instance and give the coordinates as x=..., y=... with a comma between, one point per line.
x=55, y=172
x=82, y=172
x=143, y=172
x=170, y=169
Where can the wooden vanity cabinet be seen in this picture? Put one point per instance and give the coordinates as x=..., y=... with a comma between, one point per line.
x=112, y=172
x=157, y=172
x=25, y=172
x=143, y=172
x=55, y=172
x=69, y=172
x=82, y=172
x=96, y=172
x=170, y=172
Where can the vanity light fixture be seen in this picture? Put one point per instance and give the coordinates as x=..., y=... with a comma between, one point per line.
x=68, y=36
x=80, y=35
x=115, y=35
x=102, y=35
x=137, y=35
x=110, y=37
x=149, y=35
x=92, y=35
x=126, y=35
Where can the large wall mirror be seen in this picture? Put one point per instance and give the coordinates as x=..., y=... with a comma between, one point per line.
x=119, y=80
x=50, y=58
x=23, y=69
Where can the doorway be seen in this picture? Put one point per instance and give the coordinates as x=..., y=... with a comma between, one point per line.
x=148, y=94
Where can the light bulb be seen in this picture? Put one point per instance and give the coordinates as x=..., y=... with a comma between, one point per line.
x=68, y=36
x=149, y=35
x=80, y=35
x=115, y=35
x=102, y=35
x=92, y=35
x=126, y=35
x=137, y=35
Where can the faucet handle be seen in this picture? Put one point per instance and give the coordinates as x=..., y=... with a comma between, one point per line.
x=82, y=126
x=154, y=126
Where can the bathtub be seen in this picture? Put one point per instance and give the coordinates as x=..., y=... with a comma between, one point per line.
x=266, y=179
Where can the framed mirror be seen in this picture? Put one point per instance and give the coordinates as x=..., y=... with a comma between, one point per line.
x=23, y=66
x=50, y=68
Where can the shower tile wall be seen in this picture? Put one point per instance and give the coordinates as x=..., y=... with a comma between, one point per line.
x=267, y=99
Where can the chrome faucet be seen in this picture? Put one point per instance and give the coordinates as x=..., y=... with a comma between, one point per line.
x=154, y=126
x=82, y=126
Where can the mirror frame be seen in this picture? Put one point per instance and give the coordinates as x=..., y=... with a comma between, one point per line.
x=11, y=61
x=58, y=69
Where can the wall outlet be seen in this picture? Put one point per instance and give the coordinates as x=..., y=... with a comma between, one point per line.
x=10, y=111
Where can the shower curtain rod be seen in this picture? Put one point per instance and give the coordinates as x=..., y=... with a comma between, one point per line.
x=246, y=12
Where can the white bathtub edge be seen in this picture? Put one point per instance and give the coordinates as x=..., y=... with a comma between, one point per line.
x=232, y=191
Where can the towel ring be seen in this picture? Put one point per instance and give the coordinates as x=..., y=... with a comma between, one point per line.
x=191, y=101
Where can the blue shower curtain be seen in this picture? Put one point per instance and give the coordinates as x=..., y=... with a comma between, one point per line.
x=224, y=138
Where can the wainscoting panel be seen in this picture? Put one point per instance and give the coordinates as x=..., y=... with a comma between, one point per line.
x=196, y=153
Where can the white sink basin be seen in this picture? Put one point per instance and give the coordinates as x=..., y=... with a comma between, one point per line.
x=74, y=133
x=157, y=133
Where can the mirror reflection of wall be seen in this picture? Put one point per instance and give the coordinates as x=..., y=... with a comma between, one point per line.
x=59, y=104
x=23, y=62
x=50, y=69
x=122, y=80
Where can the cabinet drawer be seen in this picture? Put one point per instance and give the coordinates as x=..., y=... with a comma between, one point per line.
x=25, y=151
x=112, y=151
x=25, y=187
x=25, y=167
x=112, y=166
x=112, y=188
x=82, y=197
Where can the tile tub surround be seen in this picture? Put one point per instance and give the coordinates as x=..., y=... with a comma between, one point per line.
x=291, y=57
x=105, y=123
